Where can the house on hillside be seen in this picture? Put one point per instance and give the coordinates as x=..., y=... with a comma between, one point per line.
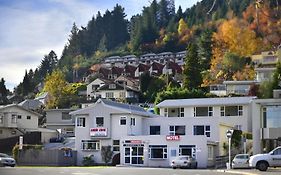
x=265, y=64
x=156, y=69
x=141, y=68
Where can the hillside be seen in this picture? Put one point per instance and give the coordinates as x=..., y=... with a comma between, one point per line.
x=231, y=29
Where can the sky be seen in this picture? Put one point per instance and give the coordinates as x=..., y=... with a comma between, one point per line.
x=30, y=29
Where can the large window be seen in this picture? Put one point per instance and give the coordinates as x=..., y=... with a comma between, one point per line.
x=158, y=151
x=272, y=117
x=231, y=110
x=99, y=121
x=186, y=150
x=90, y=145
x=81, y=122
x=154, y=130
x=122, y=94
x=202, y=130
x=203, y=111
x=177, y=130
x=65, y=116
x=14, y=118
x=109, y=95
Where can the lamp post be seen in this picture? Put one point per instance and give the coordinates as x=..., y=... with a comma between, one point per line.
x=229, y=135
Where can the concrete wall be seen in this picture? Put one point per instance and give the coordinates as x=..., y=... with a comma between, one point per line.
x=46, y=157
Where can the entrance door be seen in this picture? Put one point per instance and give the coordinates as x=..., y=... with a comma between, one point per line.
x=134, y=155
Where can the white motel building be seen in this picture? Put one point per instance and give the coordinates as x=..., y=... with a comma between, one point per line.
x=195, y=127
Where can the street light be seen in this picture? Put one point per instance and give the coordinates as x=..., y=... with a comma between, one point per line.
x=229, y=135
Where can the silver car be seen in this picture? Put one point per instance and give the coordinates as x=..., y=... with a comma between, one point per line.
x=184, y=162
x=240, y=161
x=6, y=160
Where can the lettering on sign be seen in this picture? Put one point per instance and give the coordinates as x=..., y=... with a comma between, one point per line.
x=173, y=137
x=98, y=132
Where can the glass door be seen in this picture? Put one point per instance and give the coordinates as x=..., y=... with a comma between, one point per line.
x=134, y=155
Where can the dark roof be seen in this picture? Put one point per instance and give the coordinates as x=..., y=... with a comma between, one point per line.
x=143, y=67
x=157, y=66
x=174, y=66
x=117, y=70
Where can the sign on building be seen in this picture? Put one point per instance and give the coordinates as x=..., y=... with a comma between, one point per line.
x=98, y=132
x=172, y=137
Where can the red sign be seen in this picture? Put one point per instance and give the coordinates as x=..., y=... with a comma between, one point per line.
x=170, y=138
x=98, y=132
x=135, y=141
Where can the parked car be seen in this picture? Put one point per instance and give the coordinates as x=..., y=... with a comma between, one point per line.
x=263, y=161
x=6, y=160
x=240, y=161
x=184, y=162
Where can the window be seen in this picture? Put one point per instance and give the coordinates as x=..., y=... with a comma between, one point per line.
x=277, y=152
x=19, y=116
x=112, y=86
x=122, y=94
x=28, y=117
x=173, y=152
x=116, y=145
x=202, y=130
x=210, y=152
x=81, y=122
x=177, y=130
x=65, y=116
x=133, y=121
x=1, y=118
x=186, y=150
x=166, y=112
x=123, y=120
x=90, y=145
x=158, y=151
x=203, y=111
x=181, y=113
x=231, y=110
x=109, y=95
x=154, y=130
x=99, y=121
x=14, y=119
x=222, y=111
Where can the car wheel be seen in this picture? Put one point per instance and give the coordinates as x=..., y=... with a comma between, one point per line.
x=262, y=166
x=195, y=166
x=174, y=167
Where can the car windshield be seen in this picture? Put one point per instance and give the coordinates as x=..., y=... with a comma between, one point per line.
x=182, y=158
x=3, y=155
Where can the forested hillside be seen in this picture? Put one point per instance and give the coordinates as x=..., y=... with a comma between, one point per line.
x=224, y=34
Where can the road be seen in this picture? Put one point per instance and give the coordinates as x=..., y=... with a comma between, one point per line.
x=124, y=171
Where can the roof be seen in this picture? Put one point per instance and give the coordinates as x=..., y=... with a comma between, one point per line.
x=174, y=66
x=143, y=67
x=16, y=105
x=206, y=101
x=31, y=104
x=250, y=82
x=42, y=96
x=132, y=109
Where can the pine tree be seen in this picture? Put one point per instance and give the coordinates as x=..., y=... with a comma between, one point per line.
x=192, y=74
x=3, y=92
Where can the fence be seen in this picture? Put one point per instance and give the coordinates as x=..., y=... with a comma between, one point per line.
x=47, y=157
x=221, y=162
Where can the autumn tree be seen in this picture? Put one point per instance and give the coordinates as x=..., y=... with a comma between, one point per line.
x=55, y=84
x=192, y=73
